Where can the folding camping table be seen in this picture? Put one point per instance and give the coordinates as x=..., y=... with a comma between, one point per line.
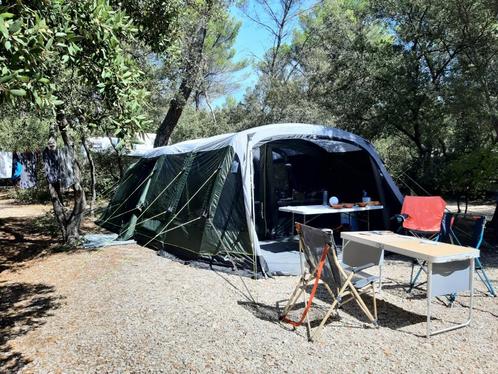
x=450, y=268
x=317, y=210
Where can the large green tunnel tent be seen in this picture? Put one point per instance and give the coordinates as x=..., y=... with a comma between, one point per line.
x=218, y=197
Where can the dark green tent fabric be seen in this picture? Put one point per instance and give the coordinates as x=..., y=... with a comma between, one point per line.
x=190, y=204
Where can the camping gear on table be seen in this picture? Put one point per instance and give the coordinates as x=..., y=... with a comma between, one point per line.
x=325, y=197
x=219, y=196
x=333, y=201
x=323, y=265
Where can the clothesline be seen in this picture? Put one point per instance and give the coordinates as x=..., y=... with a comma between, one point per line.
x=21, y=167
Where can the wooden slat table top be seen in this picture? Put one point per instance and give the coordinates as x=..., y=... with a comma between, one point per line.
x=424, y=249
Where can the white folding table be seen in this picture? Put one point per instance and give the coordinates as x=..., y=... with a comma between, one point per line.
x=317, y=210
x=450, y=268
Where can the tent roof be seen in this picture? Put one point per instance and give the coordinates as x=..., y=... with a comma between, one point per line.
x=338, y=141
x=262, y=134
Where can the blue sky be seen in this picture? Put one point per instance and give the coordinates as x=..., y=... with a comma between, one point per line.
x=252, y=43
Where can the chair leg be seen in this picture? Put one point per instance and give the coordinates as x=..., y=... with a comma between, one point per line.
x=298, y=290
x=484, y=279
x=362, y=304
x=318, y=331
x=413, y=281
x=374, y=299
x=331, y=309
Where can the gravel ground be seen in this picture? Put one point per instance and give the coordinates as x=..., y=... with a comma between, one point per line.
x=484, y=209
x=125, y=309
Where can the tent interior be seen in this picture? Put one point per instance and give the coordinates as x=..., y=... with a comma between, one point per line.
x=296, y=172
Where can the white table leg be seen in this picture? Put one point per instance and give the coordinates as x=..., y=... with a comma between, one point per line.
x=429, y=298
x=471, y=282
x=381, y=265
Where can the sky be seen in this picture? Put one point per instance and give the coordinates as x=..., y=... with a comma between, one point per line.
x=252, y=43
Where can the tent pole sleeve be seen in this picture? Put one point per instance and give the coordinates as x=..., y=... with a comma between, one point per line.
x=252, y=228
x=217, y=189
x=129, y=229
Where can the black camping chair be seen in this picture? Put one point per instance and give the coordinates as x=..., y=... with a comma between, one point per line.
x=323, y=265
x=470, y=230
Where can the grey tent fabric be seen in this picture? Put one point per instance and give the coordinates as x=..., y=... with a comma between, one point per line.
x=5, y=165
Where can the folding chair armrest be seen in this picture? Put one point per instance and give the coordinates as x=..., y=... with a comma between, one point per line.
x=357, y=269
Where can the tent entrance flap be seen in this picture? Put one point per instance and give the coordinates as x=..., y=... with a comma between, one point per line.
x=297, y=172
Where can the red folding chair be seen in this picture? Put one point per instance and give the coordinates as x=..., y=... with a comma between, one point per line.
x=422, y=216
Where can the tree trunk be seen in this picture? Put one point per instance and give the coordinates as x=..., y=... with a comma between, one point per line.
x=118, y=157
x=69, y=223
x=173, y=115
x=91, y=163
x=494, y=221
x=193, y=59
x=59, y=210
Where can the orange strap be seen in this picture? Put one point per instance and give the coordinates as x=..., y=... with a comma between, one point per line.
x=313, y=291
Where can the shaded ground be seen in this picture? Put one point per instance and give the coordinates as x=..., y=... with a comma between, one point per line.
x=23, y=239
x=125, y=309
x=23, y=308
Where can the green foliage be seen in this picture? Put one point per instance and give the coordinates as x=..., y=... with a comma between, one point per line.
x=219, y=52
x=22, y=131
x=79, y=50
x=159, y=23
x=196, y=124
x=29, y=47
x=104, y=86
x=472, y=173
x=416, y=77
x=107, y=176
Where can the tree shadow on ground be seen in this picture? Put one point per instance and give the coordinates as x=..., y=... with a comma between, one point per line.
x=23, y=308
x=24, y=239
